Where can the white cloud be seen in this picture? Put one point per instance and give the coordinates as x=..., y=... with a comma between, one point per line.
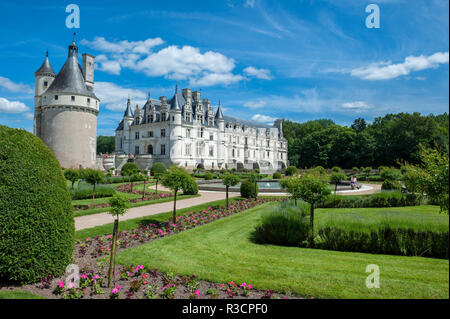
x=172, y=62
x=255, y=104
x=249, y=3
x=29, y=116
x=357, y=106
x=263, y=74
x=114, y=97
x=12, y=107
x=387, y=70
x=15, y=87
x=263, y=118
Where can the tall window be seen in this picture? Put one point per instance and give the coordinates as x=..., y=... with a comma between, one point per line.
x=136, y=135
x=136, y=150
x=211, y=151
x=163, y=132
x=211, y=136
x=201, y=132
x=188, y=149
x=188, y=133
x=163, y=149
x=150, y=133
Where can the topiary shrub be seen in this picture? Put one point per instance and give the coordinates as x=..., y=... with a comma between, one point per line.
x=248, y=189
x=190, y=186
x=277, y=175
x=158, y=168
x=209, y=176
x=36, y=218
x=128, y=169
x=291, y=171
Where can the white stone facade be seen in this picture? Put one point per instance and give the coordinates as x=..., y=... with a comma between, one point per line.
x=187, y=132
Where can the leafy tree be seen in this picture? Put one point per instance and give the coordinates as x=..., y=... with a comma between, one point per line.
x=72, y=175
x=93, y=177
x=129, y=169
x=174, y=179
x=106, y=144
x=253, y=178
x=312, y=189
x=145, y=178
x=291, y=171
x=230, y=180
x=367, y=171
x=119, y=206
x=157, y=171
x=336, y=177
x=359, y=125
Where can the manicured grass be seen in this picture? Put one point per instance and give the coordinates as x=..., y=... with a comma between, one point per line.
x=425, y=217
x=222, y=251
x=134, y=223
x=17, y=294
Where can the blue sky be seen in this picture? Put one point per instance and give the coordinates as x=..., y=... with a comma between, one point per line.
x=263, y=59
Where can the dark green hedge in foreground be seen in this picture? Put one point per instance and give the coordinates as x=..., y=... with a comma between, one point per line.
x=36, y=219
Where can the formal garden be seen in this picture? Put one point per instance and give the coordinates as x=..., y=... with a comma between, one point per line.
x=314, y=242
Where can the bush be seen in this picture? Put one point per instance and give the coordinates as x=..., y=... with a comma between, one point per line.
x=36, y=218
x=283, y=227
x=248, y=189
x=158, y=168
x=190, y=186
x=128, y=169
x=391, y=174
x=391, y=185
x=209, y=176
x=291, y=171
x=384, y=199
x=277, y=175
x=386, y=240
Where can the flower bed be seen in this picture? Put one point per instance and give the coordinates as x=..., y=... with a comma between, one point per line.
x=135, y=282
x=126, y=188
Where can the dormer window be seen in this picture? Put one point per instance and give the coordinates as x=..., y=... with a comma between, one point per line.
x=56, y=97
x=45, y=83
x=73, y=98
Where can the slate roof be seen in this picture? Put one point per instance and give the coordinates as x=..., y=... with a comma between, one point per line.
x=45, y=67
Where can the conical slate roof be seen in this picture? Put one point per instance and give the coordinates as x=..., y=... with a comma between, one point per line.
x=219, y=114
x=45, y=67
x=177, y=102
x=128, y=112
x=70, y=79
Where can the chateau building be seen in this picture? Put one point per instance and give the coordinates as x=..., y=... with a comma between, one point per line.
x=186, y=131
x=66, y=109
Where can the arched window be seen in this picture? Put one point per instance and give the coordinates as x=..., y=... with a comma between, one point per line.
x=150, y=149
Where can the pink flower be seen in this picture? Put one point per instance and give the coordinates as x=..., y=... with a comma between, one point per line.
x=197, y=293
x=115, y=291
x=71, y=284
x=249, y=286
x=60, y=284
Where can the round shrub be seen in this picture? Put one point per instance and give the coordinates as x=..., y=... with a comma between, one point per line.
x=248, y=189
x=36, y=218
x=391, y=185
x=128, y=168
x=291, y=171
x=277, y=175
x=209, y=176
x=190, y=186
x=158, y=168
x=391, y=174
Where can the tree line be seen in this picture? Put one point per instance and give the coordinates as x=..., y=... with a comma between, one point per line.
x=387, y=141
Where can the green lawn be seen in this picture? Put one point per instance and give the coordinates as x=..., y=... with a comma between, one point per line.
x=222, y=251
x=17, y=294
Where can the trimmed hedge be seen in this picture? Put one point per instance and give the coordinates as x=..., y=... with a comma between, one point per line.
x=85, y=191
x=383, y=199
x=248, y=189
x=190, y=186
x=277, y=175
x=386, y=240
x=36, y=218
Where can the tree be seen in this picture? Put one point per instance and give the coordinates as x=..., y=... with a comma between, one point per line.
x=291, y=171
x=119, y=206
x=157, y=171
x=359, y=125
x=145, y=177
x=93, y=177
x=72, y=175
x=290, y=184
x=129, y=169
x=432, y=179
x=230, y=180
x=253, y=178
x=106, y=144
x=336, y=177
x=312, y=189
x=174, y=179
x=367, y=171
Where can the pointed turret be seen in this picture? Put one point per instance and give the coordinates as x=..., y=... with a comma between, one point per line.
x=219, y=114
x=46, y=68
x=128, y=112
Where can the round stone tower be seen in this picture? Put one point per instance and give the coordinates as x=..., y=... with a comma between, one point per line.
x=67, y=111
